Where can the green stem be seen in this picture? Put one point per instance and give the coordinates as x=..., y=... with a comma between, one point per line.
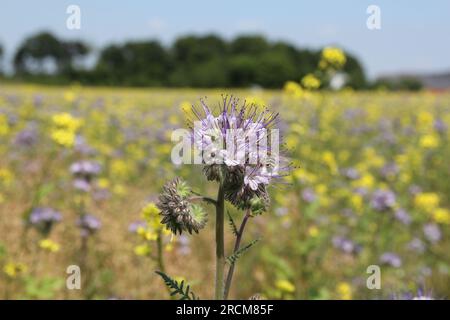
x=160, y=253
x=237, y=244
x=220, y=246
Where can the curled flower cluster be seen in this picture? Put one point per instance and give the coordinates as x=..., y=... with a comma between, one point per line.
x=177, y=211
x=236, y=151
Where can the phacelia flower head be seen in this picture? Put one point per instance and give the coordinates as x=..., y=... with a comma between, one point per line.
x=44, y=219
x=383, y=200
x=177, y=211
x=391, y=259
x=239, y=148
x=85, y=169
x=88, y=224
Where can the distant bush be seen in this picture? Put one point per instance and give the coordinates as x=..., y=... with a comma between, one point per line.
x=191, y=61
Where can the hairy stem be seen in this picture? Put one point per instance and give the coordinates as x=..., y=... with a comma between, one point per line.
x=236, y=248
x=160, y=257
x=220, y=246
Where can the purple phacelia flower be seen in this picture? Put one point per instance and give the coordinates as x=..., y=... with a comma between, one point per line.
x=391, y=259
x=432, y=232
x=88, y=225
x=383, y=200
x=402, y=216
x=44, y=219
x=309, y=195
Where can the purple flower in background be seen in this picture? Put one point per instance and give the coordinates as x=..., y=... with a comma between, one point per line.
x=44, y=219
x=439, y=126
x=38, y=100
x=389, y=170
x=414, y=189
x=27, y=137
x=88, y=225
x=134, y=226
x=383, y=200
x=183, y=242
x=391, y=259
x=346, y=245
x=420, y=295
x=309, y=195
x=432, y=232
x=361, y=191
x=402, y=216
x=84, y=171
x=416, y=245
x=82, y=147
x=350, y=173
x=281, y=211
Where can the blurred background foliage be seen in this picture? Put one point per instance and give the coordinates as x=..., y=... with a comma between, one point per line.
x=206, y=61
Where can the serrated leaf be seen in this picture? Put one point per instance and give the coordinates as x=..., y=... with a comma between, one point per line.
x=233, y=258
x=176, y=288
x=232, y=224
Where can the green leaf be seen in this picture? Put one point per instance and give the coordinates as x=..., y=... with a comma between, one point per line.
x=233, y=258
x=232, y=224
x=177, y=288
x=43, y=191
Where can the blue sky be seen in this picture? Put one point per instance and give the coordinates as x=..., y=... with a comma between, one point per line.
x=414, y=35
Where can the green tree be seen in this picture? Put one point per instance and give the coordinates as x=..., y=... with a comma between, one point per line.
x=37, y=51
x=134, y=63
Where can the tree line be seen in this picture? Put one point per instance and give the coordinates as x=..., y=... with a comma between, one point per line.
x=190, y=61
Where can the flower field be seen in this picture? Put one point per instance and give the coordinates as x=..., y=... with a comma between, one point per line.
x=81, y=169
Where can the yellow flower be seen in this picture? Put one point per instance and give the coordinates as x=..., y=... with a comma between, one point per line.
x=366, y=181
x=142, y=250
x=357, y=202
x=63, y=137
x=344, y=291
x=424, y=120
x=441, y=215
x=330, y=161
x=119, y=169
x=257, y=101
x=6, y=177
x=49, y=245
x=150, y=211
x=293, y=89
x=103, y=183
x=13, y=270
x=429, y=141
x=310, y=82
x=427, y=201
x=67, y=121
x=313, y=231
x=69, y=96
x=4, y=126
x=332, y=57
x=185, y=106
x=285, y=286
